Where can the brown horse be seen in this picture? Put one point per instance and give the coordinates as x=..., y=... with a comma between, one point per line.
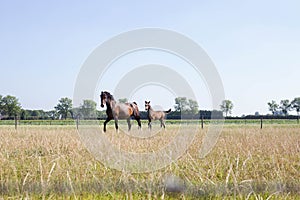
x=155, y=115
x=118, y=111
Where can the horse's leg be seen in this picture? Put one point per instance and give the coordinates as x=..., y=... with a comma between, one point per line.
x=116, y=124
x=106, y=121
x=138, y=119
x=162, y=123
x=139, y=123
x=129, y=124
x=149, y=124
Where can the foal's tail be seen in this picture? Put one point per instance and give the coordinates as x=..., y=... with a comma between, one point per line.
x=168, y=111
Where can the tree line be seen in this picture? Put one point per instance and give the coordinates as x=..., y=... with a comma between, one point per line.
x=284, y=106
x=281, y=109
x=10, y=107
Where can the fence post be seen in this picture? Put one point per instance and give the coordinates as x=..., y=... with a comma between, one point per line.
x=16, y=122
x=202, y=121
x=261, y=123
x=298, y=119
x=77, y=121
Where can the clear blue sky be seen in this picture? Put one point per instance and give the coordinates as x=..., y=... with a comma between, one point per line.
x=255, y=45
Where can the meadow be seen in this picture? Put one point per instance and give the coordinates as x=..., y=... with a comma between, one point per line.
x=50, y=162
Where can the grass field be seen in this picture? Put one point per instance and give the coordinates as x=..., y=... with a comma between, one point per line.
x=50, y=162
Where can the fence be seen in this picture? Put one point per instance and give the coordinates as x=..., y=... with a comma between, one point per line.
x=203, y=122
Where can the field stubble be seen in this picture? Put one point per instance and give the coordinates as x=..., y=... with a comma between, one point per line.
x=51, y=161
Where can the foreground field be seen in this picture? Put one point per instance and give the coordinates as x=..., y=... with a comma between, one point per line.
x=247, y=163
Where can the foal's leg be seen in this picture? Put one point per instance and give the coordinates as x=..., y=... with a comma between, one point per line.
x=149, y=124
x=163, y=123
x=129, y=124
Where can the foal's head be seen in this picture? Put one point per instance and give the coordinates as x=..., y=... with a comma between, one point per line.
x=105, y=97
x=147, y=105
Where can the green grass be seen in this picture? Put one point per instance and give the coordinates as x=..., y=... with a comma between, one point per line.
x=168, y=121
x=247, y=162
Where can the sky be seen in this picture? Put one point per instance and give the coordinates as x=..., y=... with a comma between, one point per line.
x=254, y=45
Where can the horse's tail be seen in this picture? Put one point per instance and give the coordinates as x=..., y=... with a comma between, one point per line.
x=135, y=108
x=167, y=111
x=134, y=105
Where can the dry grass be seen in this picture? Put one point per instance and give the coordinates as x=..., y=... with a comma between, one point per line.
x=51, y=162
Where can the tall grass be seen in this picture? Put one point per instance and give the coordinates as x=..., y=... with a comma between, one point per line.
x=51, y=162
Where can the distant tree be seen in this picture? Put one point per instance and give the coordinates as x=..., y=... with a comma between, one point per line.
x=88, y=109
x=193, y=105
x=217, y=114
x=123, y=100
x=43, y=114
x=295, y=104
x=285, y=106
x=273, y=107
x=187, y=107
x=1, y=106
x=24, y=114
x=53, y=114
x=64, y=107
x=181, y=104
x=101, y=114
x=36, y=114
x=211, y=114
x=226, y=107
x=10, y=106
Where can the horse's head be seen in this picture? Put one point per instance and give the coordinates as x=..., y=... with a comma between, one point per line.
x=147, y=105
x=103, y=97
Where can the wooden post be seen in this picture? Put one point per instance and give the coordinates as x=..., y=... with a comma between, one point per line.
x=202, y=121
x=261, y=123
x=77, y=121
x=16, y=122
x=298, y=119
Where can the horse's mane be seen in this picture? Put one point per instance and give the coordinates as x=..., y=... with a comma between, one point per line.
x=109, y=96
